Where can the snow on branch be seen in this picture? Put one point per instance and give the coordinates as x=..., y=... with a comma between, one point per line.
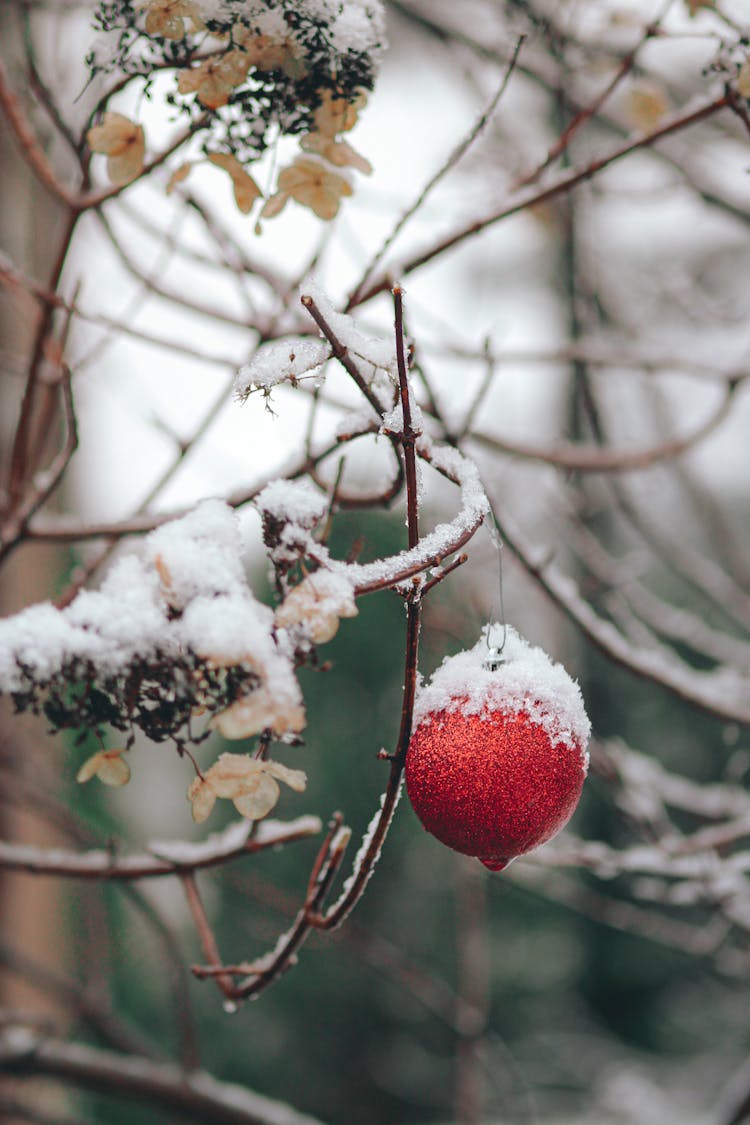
x=162, y=857
x=169, y=635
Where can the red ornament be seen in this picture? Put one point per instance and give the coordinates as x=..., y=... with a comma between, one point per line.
x=497, y=759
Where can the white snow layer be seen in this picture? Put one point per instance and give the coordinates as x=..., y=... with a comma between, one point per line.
x=280, y=361
x=528, y=680
x=358, y=25
x=294, y=501
x=194, y=565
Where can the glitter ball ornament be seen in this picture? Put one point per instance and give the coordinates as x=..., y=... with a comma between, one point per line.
x=498, y=757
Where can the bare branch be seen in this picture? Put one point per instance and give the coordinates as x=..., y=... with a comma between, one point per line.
x=195, y=1095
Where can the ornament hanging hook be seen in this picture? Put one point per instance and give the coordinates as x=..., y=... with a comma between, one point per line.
x=494, y=657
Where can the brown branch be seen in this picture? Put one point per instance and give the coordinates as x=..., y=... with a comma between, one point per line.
x=312, y=915
x=163, y=858
x=449, y=163
x=595, y=459
x=97, y=198
x=45, y=483
x=32, y=151
x=714, y=692
x=196, y=1096
x=340, y=351
x=92, y=1008
x=205, y=933
x=378, y=832
x=265, y=970
x=10, y=275
x=565, y=183
x=409, y=434
x=47, y=295
x=158, y=289
x=587, y=112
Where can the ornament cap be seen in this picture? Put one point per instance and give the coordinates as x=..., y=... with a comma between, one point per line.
x=493, y=660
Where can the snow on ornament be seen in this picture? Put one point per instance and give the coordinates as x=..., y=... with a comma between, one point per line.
x=497, y=758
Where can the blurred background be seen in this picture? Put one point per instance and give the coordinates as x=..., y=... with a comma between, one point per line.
x=590, y=352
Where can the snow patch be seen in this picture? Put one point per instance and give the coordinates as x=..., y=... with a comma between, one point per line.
x=528, y=680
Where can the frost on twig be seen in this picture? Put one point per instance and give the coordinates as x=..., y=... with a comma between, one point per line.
x=281, y=361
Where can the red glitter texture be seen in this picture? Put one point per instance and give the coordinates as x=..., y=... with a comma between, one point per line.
x=492, y=785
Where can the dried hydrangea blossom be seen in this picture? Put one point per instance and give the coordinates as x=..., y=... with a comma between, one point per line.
x=256, y=69
x=264, y=709
x=251, y=784
x=169, y=635
x=316, y=606
x=122, y=142
x=108, y=765
x=172, y=18
x=312, y=182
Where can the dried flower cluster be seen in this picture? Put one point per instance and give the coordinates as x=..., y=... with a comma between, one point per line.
x=246, y=72
x=177, y=634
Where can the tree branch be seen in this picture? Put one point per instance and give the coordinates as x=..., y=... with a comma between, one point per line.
x=195, y=1095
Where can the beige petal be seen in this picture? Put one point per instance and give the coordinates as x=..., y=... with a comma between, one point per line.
x=169, y=26
x=127, y=166
x=166, y=17
x=113, y=135
x=244, y=718
x=88, y=769
x=259, y=801
x=323, y=626
x=234, y=774
x=246, y=191
x=108, y=766
x=302, y=170
x=295, y=779
x=337, y=115
x=176, y=178
x=339, y=153
x=646, y=106
x=114, y=771
x=322, y=200
x=214, y=79
x=743, y=79
x=274, y=205
x=202, y=799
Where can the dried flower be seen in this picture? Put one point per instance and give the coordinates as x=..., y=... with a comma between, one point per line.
x=178, y=176
x=246, y=191
x=108, y=765
x=317, y=604
x=262, y=709
x=214, y=79
x=336, y=114
x=167, y=17
x=743, y=79
x=313, y=183
x=123, y=143
x=339, y=153
x=646, y=106
x=694, y=6
x=250, y=783
x=266, y=52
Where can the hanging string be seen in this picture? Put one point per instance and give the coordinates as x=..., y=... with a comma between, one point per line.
x=494, y=656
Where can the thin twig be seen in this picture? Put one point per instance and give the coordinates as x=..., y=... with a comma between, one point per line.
x=564, y=184
x=448, y=164
x=196, y=1096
